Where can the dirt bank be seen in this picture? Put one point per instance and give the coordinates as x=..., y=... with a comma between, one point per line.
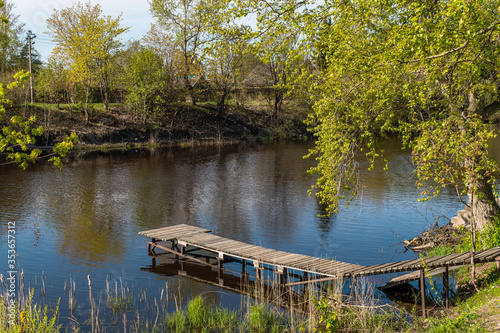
x=119, y=126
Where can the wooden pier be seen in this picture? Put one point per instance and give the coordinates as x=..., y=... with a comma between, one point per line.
x=181, y=236
x=185, y=240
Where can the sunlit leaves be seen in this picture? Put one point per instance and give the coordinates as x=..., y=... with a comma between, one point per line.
x=88, y=40
x=425, y=70
x=148, y=83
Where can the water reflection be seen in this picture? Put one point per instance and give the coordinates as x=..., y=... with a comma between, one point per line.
x=84, y=219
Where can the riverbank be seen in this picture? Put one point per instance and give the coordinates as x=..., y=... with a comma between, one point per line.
x=472, y=310
x=186, y=124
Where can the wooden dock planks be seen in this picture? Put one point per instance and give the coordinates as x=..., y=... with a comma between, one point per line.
x=203, y=239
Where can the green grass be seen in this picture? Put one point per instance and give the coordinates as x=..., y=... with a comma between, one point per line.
x=441, y=250
x=469, y=312
x=198, y=317
x=121, y=303
x=259, y=319
x=197, y=312
x=176, y=321
x=224, y=320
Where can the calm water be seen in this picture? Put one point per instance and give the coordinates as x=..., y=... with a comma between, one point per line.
x=84, y=219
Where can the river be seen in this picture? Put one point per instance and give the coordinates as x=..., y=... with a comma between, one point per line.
x=84, y=220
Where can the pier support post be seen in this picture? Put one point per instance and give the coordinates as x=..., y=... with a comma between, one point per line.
x=258, y=270
x=354, y=281
x=422, y=292
x=446, y=288
x=183, y=247
x=282, y=275
x=244, y=267
x=305, y=286
x=220, y=260
x=150, y=249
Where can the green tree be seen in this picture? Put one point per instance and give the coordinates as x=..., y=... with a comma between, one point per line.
x=424, y=69
x=16, y=136
x=147, y=83
x=224, y=61
x=10, y=37
x=51, y=82
x=90, y=42
x=190, y=22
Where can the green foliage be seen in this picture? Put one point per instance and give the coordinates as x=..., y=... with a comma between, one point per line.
x=222, y=320
x=327, y=318
x=16, y=137
x=426, y=71
x=120, y=303
x=197, y=313
x=52, y=82
x=440, y=250
x=11, y=39
x=176, y=322
x=89, y=41
x=31, y=319
x=465, y=322
x=260, y=319
x=334, y=318
x=148, y=84
x=489, y=237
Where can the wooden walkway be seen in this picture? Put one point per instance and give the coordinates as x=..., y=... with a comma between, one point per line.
x=226, y=249
x=183, y=236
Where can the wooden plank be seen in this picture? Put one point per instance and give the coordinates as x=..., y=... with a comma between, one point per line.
x=172, y=236
x=326, y=265
x=204, y=239
x=305, y=262
x=226, y=244
x=177, y=226
x=294, y=260
x=484, y=255
x=260, y=253
x=200, y=237
x=282, y=256
x=461, y=259
x=349, y=268
x=337, y=266
x=451, y=257
x=175, y=234
x=343, y=270
x=174, y=229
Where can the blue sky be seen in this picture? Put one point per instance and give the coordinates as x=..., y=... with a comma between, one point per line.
x=135, y=14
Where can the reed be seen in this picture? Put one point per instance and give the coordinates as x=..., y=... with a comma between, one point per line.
x=266, y=307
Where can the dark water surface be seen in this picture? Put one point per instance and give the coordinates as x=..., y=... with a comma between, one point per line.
x=84, y=219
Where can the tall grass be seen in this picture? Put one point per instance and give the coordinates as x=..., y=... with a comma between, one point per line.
x=268, y=310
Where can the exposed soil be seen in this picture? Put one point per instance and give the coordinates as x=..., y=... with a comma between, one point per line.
x=118, y=126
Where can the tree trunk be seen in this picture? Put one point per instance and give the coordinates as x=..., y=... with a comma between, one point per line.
x=220, y=105
x=482, y=203
x=87, y=102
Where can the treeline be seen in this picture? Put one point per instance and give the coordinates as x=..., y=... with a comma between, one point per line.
x=188, y=56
